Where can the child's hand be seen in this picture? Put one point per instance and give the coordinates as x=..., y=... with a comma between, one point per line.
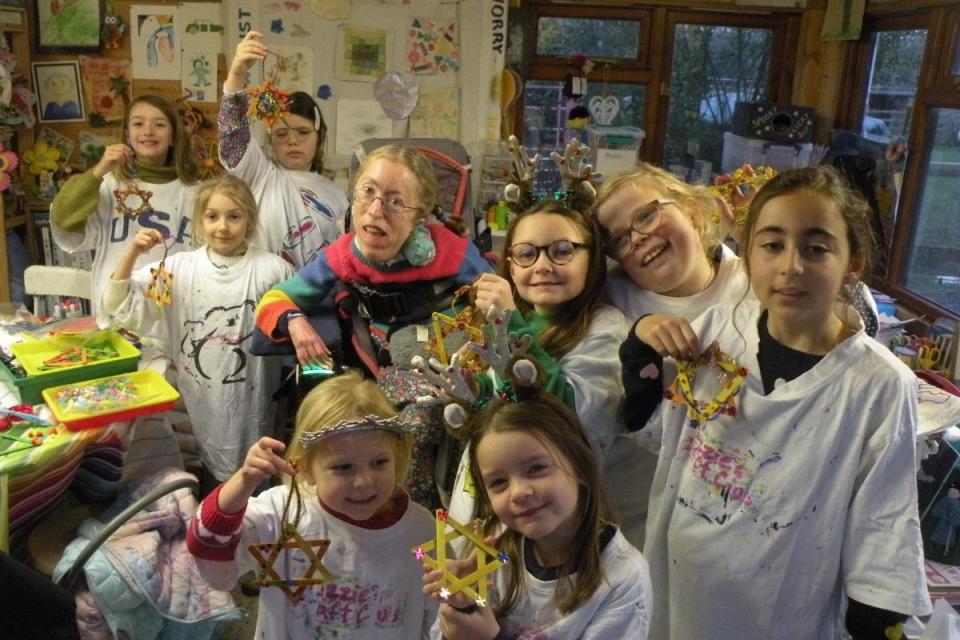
x=308, y=343
x=263, y=462
x=250, y=51
x=477, y=624
x=114, y=156
x=492, y=290
x=669, y=336
x=145, y=240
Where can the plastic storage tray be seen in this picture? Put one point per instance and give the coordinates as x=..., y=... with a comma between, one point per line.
x=738, y=151
x=31, y=355
x=28, y=390
x=154, y=393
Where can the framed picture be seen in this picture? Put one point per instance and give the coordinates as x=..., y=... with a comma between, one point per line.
x=58, y=91
x=67, y=26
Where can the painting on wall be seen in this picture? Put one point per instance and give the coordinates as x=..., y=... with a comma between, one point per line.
x=362, y=54
x=437, y=114
x=433, y=47
x=107, y=87
x=67, y=26
x=291, y=68
x=58, y=91
x=358, y=120
x=154, y=42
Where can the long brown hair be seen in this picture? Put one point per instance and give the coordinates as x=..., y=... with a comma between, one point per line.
x=179, y=154
x=569, y=322
x=544, y=417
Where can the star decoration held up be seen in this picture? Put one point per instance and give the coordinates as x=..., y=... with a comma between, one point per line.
x=266, y=555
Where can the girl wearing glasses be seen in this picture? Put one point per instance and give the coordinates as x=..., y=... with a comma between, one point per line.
x=553, y=272
x=396, y=269
x=302, y=211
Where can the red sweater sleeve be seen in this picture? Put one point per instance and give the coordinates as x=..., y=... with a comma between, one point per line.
x=214, y=534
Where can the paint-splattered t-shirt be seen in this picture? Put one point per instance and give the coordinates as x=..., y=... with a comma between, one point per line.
x=761, y=522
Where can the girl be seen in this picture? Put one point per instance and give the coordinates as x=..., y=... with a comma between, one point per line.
x=304, y=211
x=155, y=157
x=396, y=270
x=207, y=329
x=672, y=266
x=352, y=453
x=553, y=270
x=572, y=573
x=804, y=495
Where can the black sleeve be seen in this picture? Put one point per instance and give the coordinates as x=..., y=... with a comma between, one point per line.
x=642, y=381
x=870, y=623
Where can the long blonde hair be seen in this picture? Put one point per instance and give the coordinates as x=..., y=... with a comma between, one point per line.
x=235, y=189
x=695, y=201
x=345, y=397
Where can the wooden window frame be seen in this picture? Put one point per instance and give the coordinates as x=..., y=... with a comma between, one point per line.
x=652, y=65
x=937, y=88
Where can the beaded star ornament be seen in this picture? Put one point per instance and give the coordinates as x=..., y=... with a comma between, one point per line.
x=488, y=559
x=731, y=375
x=268, y=553
x=160, y=289
x=133, y=201
x=268, y=103
x=741, y=180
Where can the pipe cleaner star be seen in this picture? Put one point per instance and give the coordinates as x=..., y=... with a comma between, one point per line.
x=488, y=559
x=268, y=103
x=732, y=376
x=293, y=588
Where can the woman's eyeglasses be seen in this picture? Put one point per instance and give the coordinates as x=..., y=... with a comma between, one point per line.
x=391, y=204
x=645, y=220
x=524, y=254
x=300, y=134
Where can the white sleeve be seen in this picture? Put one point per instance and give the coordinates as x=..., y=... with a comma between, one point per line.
x=593, y=370
x=882, y=550
x=134, y=310
x=93, y=230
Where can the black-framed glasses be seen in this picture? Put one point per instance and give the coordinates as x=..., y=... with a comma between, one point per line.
x=524, y=254
x=645, y=220
x=299, y=133
x=393, y=204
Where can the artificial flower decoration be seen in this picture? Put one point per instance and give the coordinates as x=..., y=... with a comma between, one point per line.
x=43, y=157
x=8, y=164
x=582, y=62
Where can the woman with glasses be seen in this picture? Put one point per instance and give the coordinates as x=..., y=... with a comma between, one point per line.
x=553, y=272
x=396, y=269
x=301, y=211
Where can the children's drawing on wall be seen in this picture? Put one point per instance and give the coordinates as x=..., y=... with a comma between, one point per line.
x=291, y=68
x=107, y=88
x=57, y=140
x=154, y=42
x=58, y=91
x=358, y=120
x=437, y=114
x=200, y=76
x=203, y=27
x=433, y=47
x=67, y=24
x=362, y=55
x=330, y=9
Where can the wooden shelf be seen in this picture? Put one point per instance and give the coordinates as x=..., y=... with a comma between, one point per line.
x=14, y=222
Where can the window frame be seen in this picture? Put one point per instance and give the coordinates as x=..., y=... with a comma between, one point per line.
x=653, y=62
x=936, y=88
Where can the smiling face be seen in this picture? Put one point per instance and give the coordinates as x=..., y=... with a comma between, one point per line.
x=380, y=235
x=294, y=142
x=150, y=134
x=531, y=488
x=224, y=225
x=544, y=284
x=355, y=473
x=799, y=259
x=670, y=260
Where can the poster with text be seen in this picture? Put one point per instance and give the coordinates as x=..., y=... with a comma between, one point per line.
x=155, y=42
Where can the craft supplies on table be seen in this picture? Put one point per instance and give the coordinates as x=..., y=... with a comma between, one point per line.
x=74, y=358
x=92, y=403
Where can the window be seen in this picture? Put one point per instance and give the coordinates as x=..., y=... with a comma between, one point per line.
x=679, y=89
x=910, y=88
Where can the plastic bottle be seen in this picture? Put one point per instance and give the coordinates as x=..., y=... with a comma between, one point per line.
x=503, y=214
